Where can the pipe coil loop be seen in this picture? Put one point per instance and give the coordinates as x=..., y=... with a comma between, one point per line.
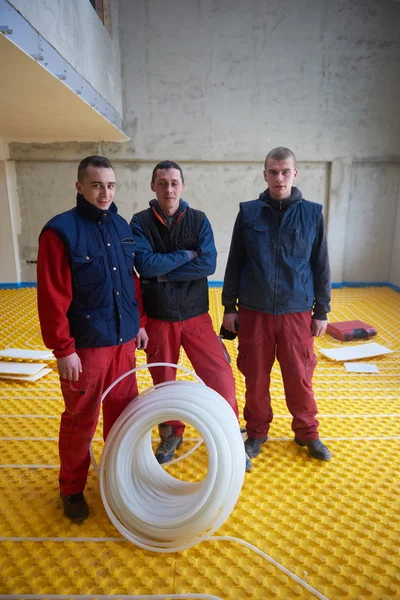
x=146, y=504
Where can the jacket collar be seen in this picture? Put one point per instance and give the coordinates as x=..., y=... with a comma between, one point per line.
x=295, y=196
x=183, y=206
x=93, y=213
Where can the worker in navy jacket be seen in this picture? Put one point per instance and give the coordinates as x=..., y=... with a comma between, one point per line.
x=276, y=296
x=174, y=254
x=88, y=311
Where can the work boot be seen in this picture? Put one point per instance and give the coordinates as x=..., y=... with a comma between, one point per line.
x=316, y=449
x=253, y=446
x=75, y=506
x=169, y=443
x=248, y=463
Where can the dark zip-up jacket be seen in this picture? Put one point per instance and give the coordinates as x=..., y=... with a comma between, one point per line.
x=99, y=244
x=173, y=258
x=278, y=261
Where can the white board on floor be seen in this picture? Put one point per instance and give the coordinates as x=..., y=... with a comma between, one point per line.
x=355, y=352
x=27, y=354
x=17, y=368
x=356, y=367
x=33, y=377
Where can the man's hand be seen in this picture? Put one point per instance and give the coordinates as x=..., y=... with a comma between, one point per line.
x=231, y=322
x=142, y=339
x=69, y=367
x=318, y=327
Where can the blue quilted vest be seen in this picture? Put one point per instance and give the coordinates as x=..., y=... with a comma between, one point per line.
x=99, y=243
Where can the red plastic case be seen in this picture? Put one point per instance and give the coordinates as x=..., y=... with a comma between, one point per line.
x=351, y=330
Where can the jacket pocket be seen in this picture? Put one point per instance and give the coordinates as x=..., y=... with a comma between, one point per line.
x=128, y=248
x=256, y=238
x=129, y=258
x=301, y=247
x=187, y=244
x=88, y=269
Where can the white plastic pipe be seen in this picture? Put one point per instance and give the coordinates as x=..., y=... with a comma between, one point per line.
x=147, y=505
x=151, y=508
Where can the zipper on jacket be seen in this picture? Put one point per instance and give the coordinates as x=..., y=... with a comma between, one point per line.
x=173, y=236
x=276, y=269
x=275, y=217
x=277, y=254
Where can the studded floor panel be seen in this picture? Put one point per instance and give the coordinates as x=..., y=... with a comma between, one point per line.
x=334, y=526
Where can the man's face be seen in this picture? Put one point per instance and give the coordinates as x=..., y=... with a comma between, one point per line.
x=280, y=176
x=98, y=186
x=168, y=187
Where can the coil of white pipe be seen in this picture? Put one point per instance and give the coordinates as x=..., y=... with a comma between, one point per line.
x=151, y=486
x=146, y=504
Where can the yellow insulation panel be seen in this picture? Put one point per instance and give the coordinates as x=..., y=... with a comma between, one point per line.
x=334, y=525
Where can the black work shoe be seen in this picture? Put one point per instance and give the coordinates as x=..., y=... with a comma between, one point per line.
x=316, y=449
x=75, y=507
x=248, y=463
x=253, y=446
x=166, y=449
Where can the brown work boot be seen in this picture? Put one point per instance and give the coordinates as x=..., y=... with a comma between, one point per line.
x=75, y=507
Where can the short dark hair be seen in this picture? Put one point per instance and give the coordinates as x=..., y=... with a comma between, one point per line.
x=92, y=161
x=166, y=164
x=280, y=153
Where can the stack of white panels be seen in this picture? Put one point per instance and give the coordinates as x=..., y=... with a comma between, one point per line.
x=30, y=371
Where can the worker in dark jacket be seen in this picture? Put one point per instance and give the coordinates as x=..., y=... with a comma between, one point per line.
x=88, y=311
x=279, y=278
x=174, y=254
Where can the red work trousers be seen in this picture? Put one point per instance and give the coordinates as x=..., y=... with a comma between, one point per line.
x=289, y=338
x=101, y=366
x=204, y=350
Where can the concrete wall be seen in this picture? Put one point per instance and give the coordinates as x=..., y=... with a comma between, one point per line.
x=10, y=222
x=215, y=84
x=56, y=193
x=395, y=262
x=371, y=221
x=73, y=28
x=225, y=81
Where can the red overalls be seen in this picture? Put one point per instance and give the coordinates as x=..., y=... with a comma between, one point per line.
x=204, y=351
x=262, y=337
